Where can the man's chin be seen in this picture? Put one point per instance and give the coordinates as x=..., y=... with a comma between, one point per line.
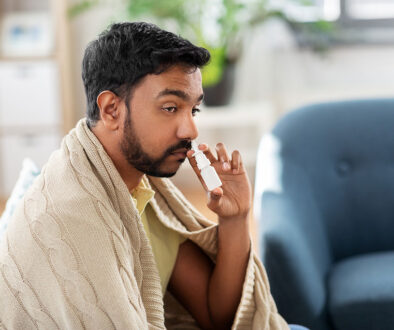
x=161, y=174
x=168, y=175
x=165, y=170
x=164, y=173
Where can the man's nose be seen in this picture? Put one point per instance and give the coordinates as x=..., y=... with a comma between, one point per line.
x=187, y=129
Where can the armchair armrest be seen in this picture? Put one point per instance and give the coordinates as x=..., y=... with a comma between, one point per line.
x=295, y=253
x=293, y=243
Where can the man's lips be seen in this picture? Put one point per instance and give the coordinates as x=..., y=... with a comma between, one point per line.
x=180, y=152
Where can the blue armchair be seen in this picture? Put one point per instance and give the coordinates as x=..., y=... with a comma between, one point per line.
x=324, y=199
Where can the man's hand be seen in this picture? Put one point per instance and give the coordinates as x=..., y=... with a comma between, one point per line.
x=233, y=199
x=212, y=292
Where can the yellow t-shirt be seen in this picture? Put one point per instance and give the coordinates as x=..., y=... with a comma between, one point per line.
x=164, y=241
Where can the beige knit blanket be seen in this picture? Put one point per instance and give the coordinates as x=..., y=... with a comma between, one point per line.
x=75, y=255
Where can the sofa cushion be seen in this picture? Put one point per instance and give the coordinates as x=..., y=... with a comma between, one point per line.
x=26, y=178
x=361, y=292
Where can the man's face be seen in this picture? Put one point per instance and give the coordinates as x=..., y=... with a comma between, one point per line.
x=159, y=124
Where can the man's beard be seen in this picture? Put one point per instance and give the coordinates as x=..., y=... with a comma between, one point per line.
x=139, y=159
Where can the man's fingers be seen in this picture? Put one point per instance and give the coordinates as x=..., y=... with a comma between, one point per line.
x=222, y=152
x=216, y=193
x=207, y=151
x=214, y=197
x=192, y=159
x=193, y=163
x=235, y=164
x=236, y=161
x=223, y=156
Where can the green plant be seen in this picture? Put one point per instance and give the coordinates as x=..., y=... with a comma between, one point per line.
x=214, y=24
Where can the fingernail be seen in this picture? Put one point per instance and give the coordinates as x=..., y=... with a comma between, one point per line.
x=235, y=171
x=226, y=166
x=215, y=195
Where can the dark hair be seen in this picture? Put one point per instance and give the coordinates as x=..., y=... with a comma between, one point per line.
x=126, y=52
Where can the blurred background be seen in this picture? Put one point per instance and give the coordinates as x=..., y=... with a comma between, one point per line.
x=268, y=57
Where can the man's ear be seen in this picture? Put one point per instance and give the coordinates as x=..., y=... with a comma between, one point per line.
x=110, y=109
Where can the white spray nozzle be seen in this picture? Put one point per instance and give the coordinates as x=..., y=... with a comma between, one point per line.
x=208, y=173
x=201, y=159
x=195, y=146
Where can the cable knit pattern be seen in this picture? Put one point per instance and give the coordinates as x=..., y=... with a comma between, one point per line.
x=48, y=231
x=76, y=256
x=21, y=287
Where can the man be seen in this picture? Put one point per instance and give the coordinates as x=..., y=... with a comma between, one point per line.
x=101, y=236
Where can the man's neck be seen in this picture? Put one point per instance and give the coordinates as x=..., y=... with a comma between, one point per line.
x=130, y=175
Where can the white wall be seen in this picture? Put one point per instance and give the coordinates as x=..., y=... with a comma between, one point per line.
x=85, y=28
x=275, y=69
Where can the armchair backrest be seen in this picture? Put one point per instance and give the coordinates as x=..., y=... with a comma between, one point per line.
x=345, y=150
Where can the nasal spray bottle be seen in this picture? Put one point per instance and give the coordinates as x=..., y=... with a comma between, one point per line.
x=208, y=173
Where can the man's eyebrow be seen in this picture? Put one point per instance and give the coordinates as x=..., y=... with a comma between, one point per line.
x=179, y=93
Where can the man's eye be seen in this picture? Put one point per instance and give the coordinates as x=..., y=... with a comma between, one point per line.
x=169, y=109
x=195, y=111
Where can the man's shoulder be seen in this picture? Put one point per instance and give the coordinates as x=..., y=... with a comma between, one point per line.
x=63, y=211
x=64, y=192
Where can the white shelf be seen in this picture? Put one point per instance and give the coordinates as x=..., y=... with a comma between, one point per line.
x=36, y=101
x=29, y=94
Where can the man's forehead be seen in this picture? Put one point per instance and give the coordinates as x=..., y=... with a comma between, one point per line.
x=177, y=82
x=181, y=75
x=181, y=94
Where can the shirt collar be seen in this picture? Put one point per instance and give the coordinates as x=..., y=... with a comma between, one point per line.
x=141, y=196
